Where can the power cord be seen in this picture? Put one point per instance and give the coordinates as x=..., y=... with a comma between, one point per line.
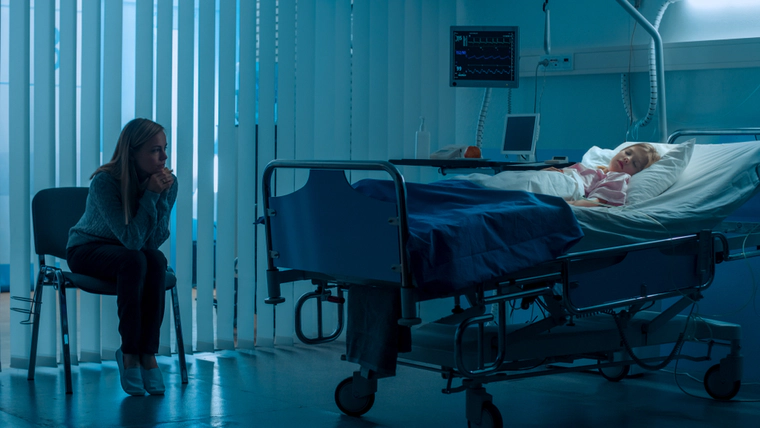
x=544, y=63
x=753, y=296
x=675, y=377
x=675, y=352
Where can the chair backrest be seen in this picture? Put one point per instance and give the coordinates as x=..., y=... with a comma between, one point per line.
x=54, y=212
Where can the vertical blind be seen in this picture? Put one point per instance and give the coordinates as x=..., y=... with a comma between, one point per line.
x=236, y=84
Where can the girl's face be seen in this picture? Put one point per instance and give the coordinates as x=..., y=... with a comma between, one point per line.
x=629, y=160
x=150, y=158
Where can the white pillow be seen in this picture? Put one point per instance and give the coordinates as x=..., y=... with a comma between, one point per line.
x=660, y=175
x=596, y=157
x=653, y=180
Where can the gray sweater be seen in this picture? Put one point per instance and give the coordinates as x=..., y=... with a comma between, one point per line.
x=103, y=219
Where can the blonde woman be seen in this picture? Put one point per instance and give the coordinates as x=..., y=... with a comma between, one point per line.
x=117, y=239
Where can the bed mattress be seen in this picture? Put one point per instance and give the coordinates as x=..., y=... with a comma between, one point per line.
x=720, y=180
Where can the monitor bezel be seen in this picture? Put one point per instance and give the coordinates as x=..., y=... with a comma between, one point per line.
x=528, y=154
x=470, y=83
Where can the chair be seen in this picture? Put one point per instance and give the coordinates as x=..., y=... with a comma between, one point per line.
x=54, y=212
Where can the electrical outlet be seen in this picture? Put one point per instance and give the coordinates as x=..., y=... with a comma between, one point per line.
x=558, y=62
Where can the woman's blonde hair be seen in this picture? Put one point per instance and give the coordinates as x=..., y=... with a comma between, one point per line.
x=122, y=164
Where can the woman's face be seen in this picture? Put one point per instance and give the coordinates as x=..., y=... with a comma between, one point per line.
x=150, y=158
x=629, y=160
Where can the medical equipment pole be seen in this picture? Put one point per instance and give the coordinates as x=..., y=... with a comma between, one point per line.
x=660, y=65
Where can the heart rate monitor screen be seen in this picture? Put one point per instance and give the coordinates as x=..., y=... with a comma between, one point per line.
x=485, y=57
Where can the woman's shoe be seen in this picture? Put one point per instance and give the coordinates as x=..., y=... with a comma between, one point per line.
x=131, y=380
x=153, y=381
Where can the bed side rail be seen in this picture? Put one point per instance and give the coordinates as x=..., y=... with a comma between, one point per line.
x=332, y=207
x=737, y=247
x=696, y=132
x=639, y=273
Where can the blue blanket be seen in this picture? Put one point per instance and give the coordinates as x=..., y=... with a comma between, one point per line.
x=462, y=234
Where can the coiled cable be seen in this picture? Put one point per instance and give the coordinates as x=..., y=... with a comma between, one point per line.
x=482, y=117
x=636, y=124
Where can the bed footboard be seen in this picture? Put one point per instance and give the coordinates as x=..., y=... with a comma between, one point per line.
x=326, y=228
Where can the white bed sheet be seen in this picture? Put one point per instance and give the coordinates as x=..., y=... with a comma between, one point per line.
x=718, y=180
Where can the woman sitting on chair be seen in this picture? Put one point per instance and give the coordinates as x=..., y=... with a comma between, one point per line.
x=117, y=239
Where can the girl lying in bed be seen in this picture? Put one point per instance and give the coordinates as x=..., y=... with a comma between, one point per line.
x=609, y=185
x=579, y=184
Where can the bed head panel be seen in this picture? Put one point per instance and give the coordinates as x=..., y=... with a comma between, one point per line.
x=328, y=227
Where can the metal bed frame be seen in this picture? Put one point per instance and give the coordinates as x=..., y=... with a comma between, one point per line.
x=585, y=320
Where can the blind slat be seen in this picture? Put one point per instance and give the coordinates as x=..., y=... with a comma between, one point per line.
x=305, y=121
x=19, y=189
x=247, y=178
x=412, y=82
x=205, y=245
x=284, y=180
x=112, y=123
x=43, y=134
x=266, y=152
x=144, y=59
x=360, y=84
x=184, y=170
x=227, y=190
x=67, y=136
x=164, y=35
x=89, y=336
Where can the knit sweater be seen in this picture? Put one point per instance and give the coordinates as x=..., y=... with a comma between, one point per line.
x=103, y=219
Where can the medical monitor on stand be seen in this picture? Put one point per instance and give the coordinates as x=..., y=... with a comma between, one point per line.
x=520, y=136
x=485, y=56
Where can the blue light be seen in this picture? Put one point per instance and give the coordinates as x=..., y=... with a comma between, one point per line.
x=724, y=4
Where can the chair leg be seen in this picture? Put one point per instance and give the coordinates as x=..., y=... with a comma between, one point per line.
x=178, y=332
x=35, y=325
x=65, y=335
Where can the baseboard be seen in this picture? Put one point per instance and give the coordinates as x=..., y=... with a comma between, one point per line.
x=225, y=344
x=47, y=361
x=89, y=357
x=165, y=350
x=246, y=344
x=20, y=363
x=204, y=346
x=284, y=340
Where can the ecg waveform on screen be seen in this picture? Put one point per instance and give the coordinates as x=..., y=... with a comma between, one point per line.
x=484, y=56
x=487, y=71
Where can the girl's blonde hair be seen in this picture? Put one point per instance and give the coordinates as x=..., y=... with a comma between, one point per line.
x=122, y=164
x=652, y=154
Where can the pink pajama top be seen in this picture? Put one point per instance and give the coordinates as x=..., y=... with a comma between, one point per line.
x=609, y=186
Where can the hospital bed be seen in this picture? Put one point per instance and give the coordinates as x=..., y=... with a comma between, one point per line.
x=595, y=277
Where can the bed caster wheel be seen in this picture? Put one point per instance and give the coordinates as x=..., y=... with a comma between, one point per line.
x=490, y=417
x=348, y=403
x=615, y=374
x=718, y=386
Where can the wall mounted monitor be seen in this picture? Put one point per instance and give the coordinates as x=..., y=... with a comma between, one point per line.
x=520, y=136
x=485, y=57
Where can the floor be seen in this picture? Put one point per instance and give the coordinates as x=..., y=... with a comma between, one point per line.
x=294, y=386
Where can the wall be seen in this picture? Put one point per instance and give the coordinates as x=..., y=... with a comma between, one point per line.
x=586, y=109
x=579, y=110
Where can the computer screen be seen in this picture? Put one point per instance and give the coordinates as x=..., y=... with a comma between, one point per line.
x=485, y=57
x=520, y=136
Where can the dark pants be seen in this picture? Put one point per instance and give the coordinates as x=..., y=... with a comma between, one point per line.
x=141, y=292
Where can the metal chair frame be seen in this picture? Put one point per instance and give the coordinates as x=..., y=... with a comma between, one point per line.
x=51, y=229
